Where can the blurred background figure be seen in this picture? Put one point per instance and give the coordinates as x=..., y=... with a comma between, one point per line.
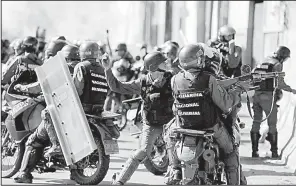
x=16, y=45
x=143, y=51
x=122, y=52
x=40, y=35
x=225, y=43
x=170, y=50
x=53, y=48
x=72, y=56
x=5, y=50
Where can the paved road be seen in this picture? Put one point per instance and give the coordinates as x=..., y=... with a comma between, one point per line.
x=258, y=171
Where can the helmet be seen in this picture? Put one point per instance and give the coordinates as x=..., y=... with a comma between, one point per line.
x=58, y=38
x=153, y=60
x=30, y=42
x=71, y=52
x=171, y=43
x=226, y=31
x=170, y=49
x=89, y=50
x=144, y=46
x=189, y=56
x=282, y=52
x=53, y=48
x=121, y=47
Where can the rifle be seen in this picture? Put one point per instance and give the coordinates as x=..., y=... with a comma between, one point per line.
x=254, y=77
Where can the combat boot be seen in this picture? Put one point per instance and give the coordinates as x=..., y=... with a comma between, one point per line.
x=255, y=136
x=27, y=166
x=129, y=168
x=24, y=177
x=273, y=139
x=174, y=173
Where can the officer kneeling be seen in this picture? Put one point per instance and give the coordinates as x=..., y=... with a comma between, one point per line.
x=208, y=99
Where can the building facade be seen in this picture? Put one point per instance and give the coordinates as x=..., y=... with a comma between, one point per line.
x=260, y=25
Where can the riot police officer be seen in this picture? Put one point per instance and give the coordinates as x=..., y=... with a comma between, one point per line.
x=89, y=79
x=18, y=51
x=71, y=53
x=28, y=61
x=155, y=92
x=45, y=130
x=170, y=50
x=233, y=53
x=54, y=47
x=231, y=61
x=90, y=82
x=193, y=85
x=263, y=100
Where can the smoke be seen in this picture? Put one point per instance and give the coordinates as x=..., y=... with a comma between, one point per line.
x=74, y=19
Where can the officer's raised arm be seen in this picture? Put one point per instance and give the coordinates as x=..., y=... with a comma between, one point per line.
x=131, y=87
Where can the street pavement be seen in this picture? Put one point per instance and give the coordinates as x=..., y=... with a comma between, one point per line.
x=259, y=171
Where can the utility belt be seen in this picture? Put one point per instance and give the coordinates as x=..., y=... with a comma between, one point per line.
x=93, y=109
x=169, y=129
x=198, y=126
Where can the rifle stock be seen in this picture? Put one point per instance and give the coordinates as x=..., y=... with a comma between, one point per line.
x=254, y=77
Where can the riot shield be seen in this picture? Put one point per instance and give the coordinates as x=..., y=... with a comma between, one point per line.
x=65, y=109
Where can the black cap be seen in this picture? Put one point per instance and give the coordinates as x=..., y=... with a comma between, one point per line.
x=121, y=46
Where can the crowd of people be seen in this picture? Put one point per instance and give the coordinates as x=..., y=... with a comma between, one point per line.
x=176, y=81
